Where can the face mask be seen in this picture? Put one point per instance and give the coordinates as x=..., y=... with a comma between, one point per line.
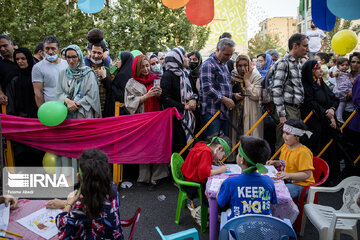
x=259, y=66
x=193, y=65
x=52, y=58
x=157, y=68
x=96, y=61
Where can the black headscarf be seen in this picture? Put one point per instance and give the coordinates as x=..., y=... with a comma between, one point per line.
x=20, y=91
x=318, y=98
x=195, y=72
x=306, y=72
x=122, y=76
x=29, y=58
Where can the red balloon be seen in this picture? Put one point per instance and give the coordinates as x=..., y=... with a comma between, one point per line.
x=200, y=12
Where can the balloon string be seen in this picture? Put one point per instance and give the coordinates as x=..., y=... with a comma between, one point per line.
x=337, y=59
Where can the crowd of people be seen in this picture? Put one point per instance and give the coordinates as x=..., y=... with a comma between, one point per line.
x=299, y=82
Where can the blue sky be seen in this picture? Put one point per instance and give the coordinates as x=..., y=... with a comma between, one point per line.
x=258, y=10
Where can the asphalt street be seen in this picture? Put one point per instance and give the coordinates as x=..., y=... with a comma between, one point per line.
x=158, y=208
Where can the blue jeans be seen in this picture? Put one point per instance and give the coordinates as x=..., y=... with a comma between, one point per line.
x=215, y=126
x=295, y=190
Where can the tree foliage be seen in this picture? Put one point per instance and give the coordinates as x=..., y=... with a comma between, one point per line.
x=28, y=22
x=127, y=24
x=340, y=24
x=143, y=24
x=260, y=44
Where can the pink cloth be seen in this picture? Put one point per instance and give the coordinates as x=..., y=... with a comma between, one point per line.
x=137, y=138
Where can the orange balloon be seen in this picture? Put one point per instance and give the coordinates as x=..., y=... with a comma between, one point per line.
x=200, y=12
x=174, y=4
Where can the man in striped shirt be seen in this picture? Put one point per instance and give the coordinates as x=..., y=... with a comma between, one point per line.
x=215, y=87
x=287, y=90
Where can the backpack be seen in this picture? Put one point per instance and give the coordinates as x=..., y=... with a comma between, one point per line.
x=267, y=85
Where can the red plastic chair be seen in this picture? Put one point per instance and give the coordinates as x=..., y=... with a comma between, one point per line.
x=132, y=221
x=321, y=170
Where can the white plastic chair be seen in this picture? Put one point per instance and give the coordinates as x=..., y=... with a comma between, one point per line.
x=329, y=221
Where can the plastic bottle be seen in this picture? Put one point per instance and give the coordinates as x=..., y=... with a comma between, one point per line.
x=78, y=97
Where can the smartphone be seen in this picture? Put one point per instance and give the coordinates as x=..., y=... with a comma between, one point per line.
x=156, y=82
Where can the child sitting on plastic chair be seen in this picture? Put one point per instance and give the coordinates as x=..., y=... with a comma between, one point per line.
x=296, y=158
x=250, y=192
x=197, y=166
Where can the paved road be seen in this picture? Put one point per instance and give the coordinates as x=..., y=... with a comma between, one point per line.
x=162, y=213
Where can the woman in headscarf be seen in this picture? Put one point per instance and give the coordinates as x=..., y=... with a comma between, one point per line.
x=263, y=64
x=246, y=82
x=21, y=102
x=80, y=81
x=21, y=99
x=321, y=100
x=180, y=92
x=77, y=88
x=155, y=65
x=142, y=96
x=195, y=62
x=115, y=88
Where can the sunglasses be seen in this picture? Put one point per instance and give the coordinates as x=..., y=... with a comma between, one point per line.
x=358, y=62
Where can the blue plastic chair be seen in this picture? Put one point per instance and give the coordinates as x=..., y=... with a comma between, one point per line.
x=190, y=233
x=256, y=226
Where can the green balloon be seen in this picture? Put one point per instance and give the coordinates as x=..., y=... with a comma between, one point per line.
x=136, y=53
x=52, y=113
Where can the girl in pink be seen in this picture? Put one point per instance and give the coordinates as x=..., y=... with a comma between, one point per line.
x=343, y=86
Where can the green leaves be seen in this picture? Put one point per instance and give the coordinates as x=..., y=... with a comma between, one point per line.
x=260, y=44
x=127, y=24
x=29, y=22
x=143, y=24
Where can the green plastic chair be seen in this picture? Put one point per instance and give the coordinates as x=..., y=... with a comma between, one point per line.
x=176, y=163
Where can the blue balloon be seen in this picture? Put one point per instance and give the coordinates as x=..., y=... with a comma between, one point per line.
x=91, y=6
x=321, y=15
x=347, y=9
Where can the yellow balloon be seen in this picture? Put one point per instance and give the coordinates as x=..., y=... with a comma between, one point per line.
x=49, y=163
x=344, y=42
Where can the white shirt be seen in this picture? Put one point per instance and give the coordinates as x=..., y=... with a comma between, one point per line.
x=48, y=73
x=315, y=37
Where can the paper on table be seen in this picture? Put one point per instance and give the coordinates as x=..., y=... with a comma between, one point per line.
x=271, y=171
x=232, y=168
x=215, y=184
x=4, y=217
x=41, y=222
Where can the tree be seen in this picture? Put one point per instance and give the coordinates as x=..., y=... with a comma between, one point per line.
x=143, y=24
x=28, y=22
x=127, y=24
x=340, y=24
x=260, y=44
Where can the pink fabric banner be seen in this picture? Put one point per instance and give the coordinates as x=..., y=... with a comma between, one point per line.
x=137, y=138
